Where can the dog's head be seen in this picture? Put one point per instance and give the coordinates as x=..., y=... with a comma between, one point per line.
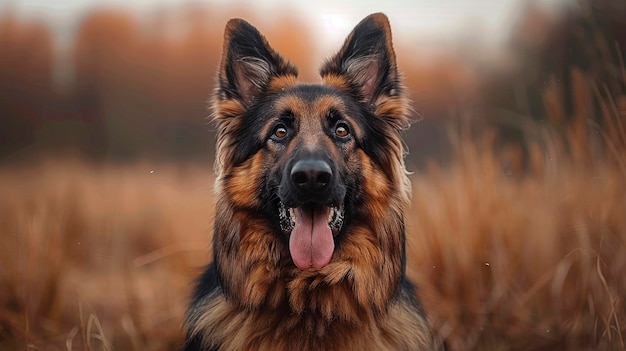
x=317, y=161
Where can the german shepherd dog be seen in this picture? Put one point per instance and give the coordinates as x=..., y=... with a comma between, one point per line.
x=309, y=237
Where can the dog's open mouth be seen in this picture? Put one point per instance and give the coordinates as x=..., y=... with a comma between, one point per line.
x=311, y=230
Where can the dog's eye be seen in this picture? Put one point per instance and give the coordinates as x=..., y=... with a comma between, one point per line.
x=342, y=130
x=280, y=131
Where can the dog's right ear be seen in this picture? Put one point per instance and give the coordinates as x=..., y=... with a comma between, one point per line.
x=365, y=66
x=248, y=63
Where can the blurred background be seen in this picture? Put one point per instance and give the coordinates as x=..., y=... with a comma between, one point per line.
x=129, y=80
x=517, y=231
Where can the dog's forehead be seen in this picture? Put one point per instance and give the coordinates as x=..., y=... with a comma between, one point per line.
x=309, y=100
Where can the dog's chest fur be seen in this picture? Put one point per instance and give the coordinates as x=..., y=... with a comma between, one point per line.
x=239, y=329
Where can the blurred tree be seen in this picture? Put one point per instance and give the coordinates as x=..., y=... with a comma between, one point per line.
x=26, y=61
x=105, y=60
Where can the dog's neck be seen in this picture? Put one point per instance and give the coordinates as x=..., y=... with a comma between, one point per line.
x=344, y=289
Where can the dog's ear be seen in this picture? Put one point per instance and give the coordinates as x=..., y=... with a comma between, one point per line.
x=248, y=63
x=366, y=63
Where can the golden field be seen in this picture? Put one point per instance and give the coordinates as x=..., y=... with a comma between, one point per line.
x=102, y=257
x=99, y=258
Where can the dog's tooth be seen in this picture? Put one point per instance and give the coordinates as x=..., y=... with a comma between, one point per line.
x=286, y=220
x=292, y=213
x=336, y=222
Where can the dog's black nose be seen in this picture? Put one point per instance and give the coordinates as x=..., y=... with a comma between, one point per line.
x=311, y=175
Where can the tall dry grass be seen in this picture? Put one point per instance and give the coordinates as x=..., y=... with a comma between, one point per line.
x=529, y=253
x=534, y=258
x=99, y=257
x=528, y=264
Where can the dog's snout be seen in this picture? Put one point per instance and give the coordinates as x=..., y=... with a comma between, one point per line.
x=311, y=175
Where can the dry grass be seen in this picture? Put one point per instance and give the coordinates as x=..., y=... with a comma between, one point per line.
x=529, y=257
x=99, y=258
x=521, y=263
x=534, y=258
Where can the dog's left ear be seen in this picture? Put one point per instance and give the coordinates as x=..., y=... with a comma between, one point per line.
x=366, y=63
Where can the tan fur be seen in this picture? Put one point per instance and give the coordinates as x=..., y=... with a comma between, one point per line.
x=397, y=330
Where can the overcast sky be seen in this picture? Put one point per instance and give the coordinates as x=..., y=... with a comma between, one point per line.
x=436, y=19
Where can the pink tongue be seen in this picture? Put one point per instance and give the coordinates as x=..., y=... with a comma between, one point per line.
x=311, y=242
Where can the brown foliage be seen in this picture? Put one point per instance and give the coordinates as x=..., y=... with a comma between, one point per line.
x=138, y=87
x=25, y=80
